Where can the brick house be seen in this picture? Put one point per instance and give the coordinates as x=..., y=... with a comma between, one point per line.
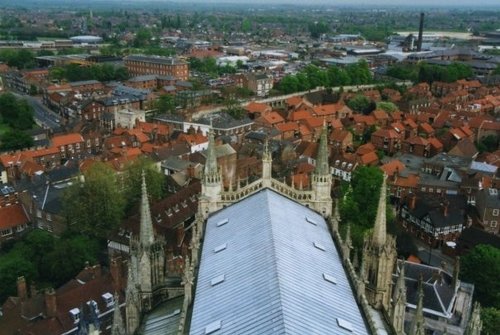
x=13, y=221
x=488, y=207
x=416, y=145
x=387, y=140
x=69, y=145
x=166, y=66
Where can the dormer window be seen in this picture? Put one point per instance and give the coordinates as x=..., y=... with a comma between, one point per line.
x=75, y=315
x=108, y=299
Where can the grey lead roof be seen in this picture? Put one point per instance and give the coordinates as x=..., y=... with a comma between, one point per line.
x=276, y=281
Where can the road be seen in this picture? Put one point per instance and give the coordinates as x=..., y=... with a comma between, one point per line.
x=44, y=117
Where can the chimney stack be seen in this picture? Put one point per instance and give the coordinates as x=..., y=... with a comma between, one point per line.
x=50, y=303
x=22, y=291
x=413, y=200
x=420, y=32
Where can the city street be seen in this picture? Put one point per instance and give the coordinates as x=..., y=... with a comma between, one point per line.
x=44, y=117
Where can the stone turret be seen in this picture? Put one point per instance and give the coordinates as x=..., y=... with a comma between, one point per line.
x=267, y=165
x=322, y=178
x=418, y=324
x=118, y=327
x=211, y=185
x=475, y=324
x=399, y=303
x=132, y=307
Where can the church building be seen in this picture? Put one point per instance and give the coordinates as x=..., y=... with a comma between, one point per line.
x=267, y=258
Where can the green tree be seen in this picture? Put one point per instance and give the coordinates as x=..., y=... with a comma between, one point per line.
x=62, y=268
x=10, y=269
x=95, y=206
x=387, y=106
x=318, y=28
x=361, y=104
x=17, y=113
x=491, y=320
x=246, y=25
x=132, y=180
x=497, y=70
x=14, y=139
x=142, y=38
x=481, y=266
x=289, y=84
x=488, y=143
x=358, y=208
x=165, y=104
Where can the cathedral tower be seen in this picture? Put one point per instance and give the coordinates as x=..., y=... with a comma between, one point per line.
x=322, y=178
x=379, y=251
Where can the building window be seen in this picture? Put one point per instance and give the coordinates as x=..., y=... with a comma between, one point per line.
x=6, y=232
x=495, y=212
x=493, y=224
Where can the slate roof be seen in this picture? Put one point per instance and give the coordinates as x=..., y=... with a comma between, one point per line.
x=437, y=285
x=273, y=262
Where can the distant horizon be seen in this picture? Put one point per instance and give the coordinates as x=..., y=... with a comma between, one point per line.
x=311, y=3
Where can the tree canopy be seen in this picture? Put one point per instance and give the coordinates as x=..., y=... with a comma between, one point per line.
x=15, y=112
x=424, y=72
x=101, y=72
x=15, y=140
x=43, y=259
x=22, y=59
x=481, y=266
x=357, y=208
x=491, y=320
x=96, y=206
x=361, y=104
x=313, y=76
x=132, y=178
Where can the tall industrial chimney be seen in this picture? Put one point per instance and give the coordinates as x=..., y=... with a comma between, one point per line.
x=420, y=32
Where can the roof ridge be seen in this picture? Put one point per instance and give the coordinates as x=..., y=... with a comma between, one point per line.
x=275, y=261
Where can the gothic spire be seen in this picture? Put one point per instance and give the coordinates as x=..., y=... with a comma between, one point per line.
x=399, y=302
x=475, y=324
x=147, y=233
x=380, y=229
x=322, y=167
x=211, y=168
x=400, y=290
x=418, y=325
x=118, y=327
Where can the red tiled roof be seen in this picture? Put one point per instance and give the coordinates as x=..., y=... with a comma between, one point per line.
x=287, y=126
x=435, y=143
x=313, y=122
x=369, y=158
x=61, y=140
x=298, y=115
x=393, y=166
x=365, y=148
x=426, y=128
x=273, y=118
x=293, y=101
x=380, y=114
x=256, y=107
x=417, y=140
x=384, y=132
x=12, y=216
